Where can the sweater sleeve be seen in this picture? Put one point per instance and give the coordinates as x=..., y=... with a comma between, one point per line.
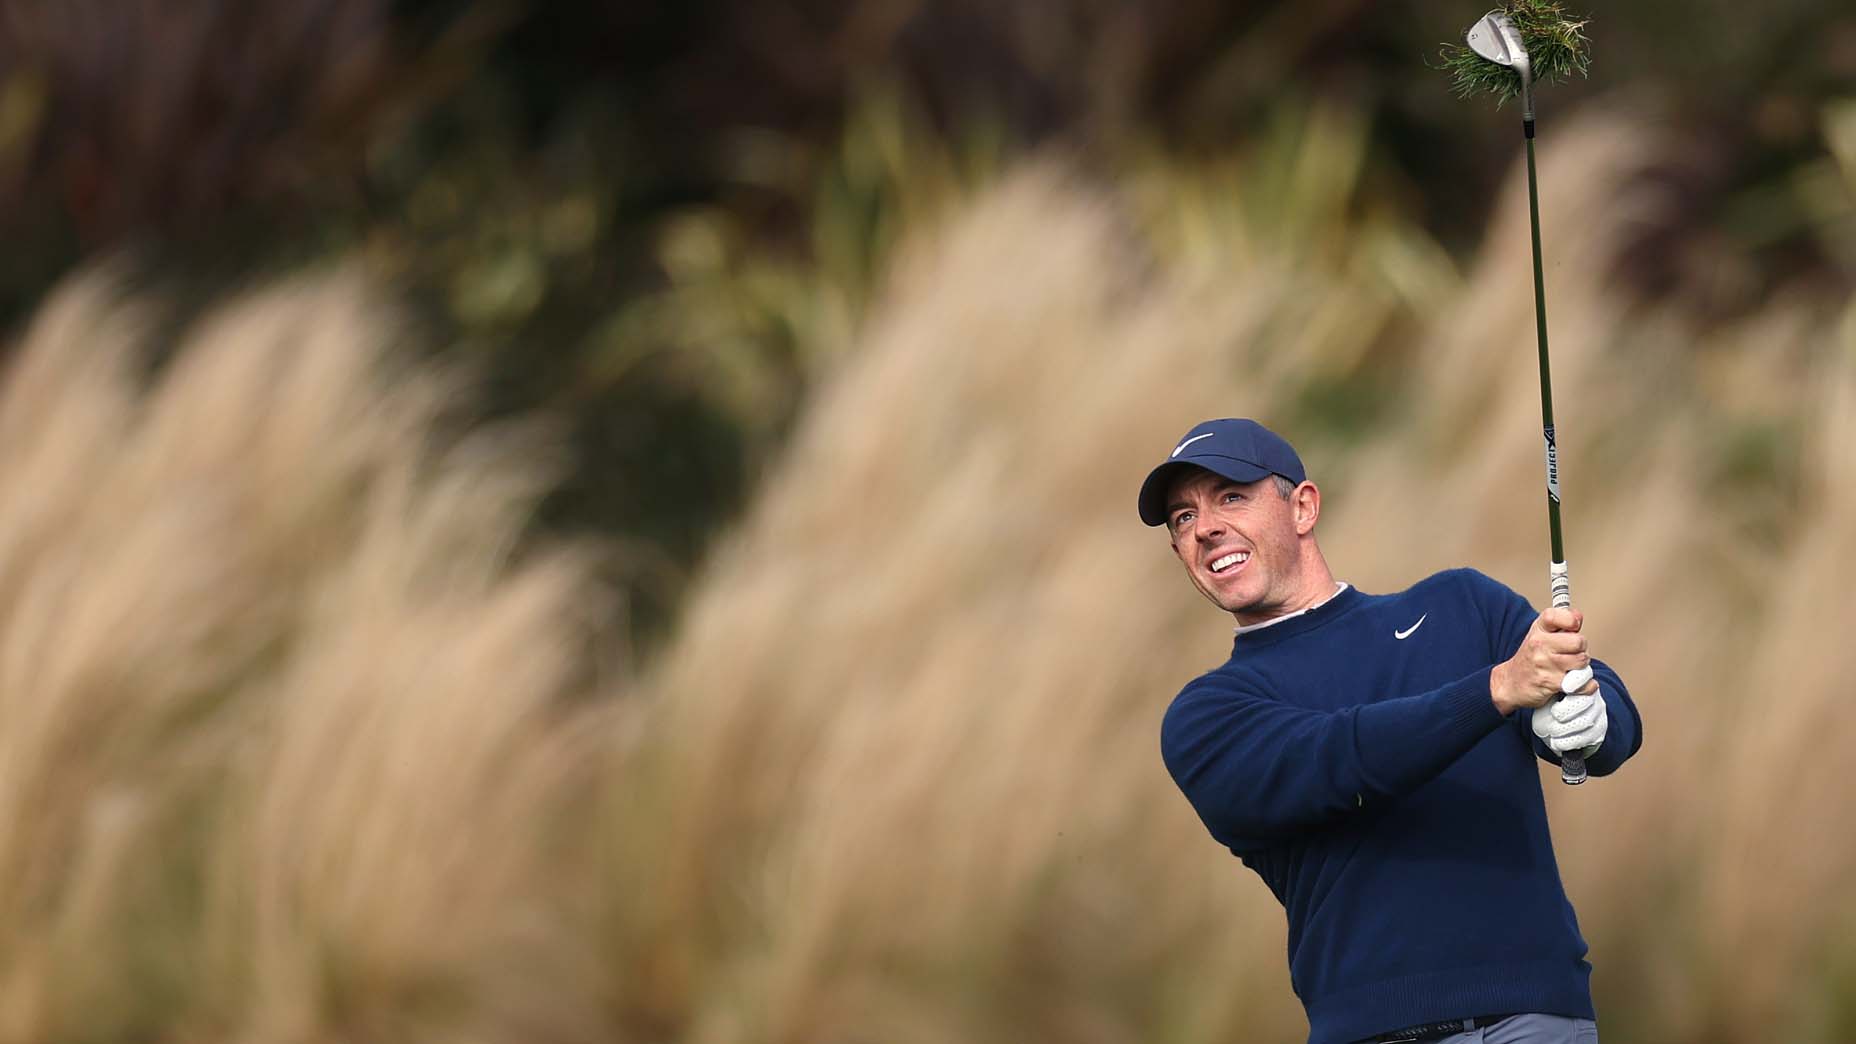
x=1257, y=770
x=1512, y=615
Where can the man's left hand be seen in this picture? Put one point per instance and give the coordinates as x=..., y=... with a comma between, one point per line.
x=1572, y=723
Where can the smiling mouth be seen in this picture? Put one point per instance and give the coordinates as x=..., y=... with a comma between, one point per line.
x=1219, y=565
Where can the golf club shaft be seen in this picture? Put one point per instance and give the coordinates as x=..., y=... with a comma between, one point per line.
x=1572, y=766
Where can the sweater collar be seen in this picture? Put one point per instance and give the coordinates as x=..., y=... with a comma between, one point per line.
x=1345, y=596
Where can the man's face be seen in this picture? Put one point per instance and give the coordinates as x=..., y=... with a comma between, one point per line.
x=1241, y=541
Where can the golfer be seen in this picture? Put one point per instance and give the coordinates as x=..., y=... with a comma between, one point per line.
x=1371, y=757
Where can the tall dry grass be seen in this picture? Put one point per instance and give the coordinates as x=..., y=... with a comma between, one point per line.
x=295, y=741
x=282, y=713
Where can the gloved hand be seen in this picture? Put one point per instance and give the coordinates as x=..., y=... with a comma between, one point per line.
x=1573, y=723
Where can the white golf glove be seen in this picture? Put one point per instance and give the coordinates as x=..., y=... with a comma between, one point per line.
x=1572, y=723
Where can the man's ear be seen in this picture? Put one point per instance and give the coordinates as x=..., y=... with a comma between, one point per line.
x=1306, y=501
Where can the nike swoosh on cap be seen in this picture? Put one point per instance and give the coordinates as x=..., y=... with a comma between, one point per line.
x=1189, y=442
x=1406, y=633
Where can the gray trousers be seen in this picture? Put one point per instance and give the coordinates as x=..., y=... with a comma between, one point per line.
x=1530, y=1029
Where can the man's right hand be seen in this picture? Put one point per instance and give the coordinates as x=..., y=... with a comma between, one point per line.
x=1532, y=676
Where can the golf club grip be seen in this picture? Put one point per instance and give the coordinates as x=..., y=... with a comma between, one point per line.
x=1572, y=769
x=1572, y=766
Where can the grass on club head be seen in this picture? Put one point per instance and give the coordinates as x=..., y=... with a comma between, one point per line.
x=1555, y=43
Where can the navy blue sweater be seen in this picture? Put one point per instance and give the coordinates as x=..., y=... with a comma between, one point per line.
x=1398, y=817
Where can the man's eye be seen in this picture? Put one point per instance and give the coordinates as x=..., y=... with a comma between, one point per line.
x=1181, y=519
x=1233, y=495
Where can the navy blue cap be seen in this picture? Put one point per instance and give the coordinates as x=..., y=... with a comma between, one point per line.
x=1240, y=450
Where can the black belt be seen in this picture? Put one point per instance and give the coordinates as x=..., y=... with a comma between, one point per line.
x=1433, y=1030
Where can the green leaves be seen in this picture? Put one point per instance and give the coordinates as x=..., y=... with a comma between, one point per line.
x=1555, y=42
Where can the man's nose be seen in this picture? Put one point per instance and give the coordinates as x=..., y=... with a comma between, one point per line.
x=1210, y=529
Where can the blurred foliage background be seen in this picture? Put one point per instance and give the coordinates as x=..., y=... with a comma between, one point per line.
x=661, y=222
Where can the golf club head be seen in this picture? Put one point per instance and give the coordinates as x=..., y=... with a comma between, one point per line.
x=1489, y=37
x=1494, y=38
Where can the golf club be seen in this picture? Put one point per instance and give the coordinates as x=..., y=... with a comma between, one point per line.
x=1495, y=38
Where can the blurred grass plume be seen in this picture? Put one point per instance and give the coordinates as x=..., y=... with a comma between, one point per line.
x=282, y=693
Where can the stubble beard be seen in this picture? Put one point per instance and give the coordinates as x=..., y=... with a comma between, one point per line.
x=1273, y=600
x=1232, y=601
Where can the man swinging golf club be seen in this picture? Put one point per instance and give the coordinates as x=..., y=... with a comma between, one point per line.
x=1371, y=757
